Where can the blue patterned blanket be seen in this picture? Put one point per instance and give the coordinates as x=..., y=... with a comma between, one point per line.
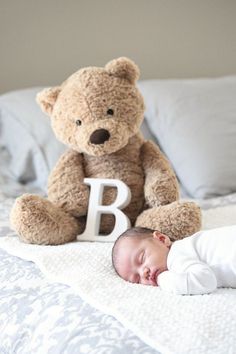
x=41, y=317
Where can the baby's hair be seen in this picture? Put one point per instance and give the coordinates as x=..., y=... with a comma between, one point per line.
x=136, y=233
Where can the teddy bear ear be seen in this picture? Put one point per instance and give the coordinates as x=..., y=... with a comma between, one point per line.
x=123, y=68
x=47, y=98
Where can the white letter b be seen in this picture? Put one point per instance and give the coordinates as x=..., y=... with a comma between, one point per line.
x=96, y=209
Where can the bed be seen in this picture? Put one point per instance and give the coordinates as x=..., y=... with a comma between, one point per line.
x=38, y=316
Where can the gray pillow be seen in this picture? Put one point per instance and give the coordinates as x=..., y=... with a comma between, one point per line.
x=28, y=147
x=146, y=132
x=194, y=121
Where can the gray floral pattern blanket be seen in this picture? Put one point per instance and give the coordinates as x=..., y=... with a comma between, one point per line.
x=40, y=317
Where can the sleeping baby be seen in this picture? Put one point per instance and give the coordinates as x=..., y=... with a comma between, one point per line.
x=198, y=264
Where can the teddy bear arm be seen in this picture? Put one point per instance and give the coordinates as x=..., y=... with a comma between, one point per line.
x=65, y=184
x=161, y=185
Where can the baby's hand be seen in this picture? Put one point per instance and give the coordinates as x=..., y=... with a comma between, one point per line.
x=163, y=280
x=158, y=277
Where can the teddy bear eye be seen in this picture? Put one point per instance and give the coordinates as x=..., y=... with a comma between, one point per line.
x=78, y=122
x=110, y=112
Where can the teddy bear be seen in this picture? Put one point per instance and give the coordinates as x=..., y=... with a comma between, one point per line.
x=97, y=113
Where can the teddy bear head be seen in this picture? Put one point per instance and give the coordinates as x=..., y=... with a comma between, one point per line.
x=96, y=110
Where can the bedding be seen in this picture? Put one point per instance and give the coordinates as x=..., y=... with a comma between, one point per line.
x=35, y=314
x=194, y=121
x=31, y=149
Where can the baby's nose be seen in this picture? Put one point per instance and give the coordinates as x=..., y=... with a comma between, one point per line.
x=146, y=272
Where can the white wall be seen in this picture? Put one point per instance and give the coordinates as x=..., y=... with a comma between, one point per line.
x=42, y=42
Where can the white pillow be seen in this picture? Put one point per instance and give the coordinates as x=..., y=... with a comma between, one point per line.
x=194, y=121
x=26, y=138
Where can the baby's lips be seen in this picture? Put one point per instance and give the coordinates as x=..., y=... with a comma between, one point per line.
x=154, y=276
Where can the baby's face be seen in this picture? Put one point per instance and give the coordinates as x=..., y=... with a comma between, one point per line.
x=141, y=261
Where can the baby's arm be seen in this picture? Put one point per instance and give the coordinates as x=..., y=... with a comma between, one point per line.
x=198, y=279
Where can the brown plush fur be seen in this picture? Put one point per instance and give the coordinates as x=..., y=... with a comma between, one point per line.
x=97, y=113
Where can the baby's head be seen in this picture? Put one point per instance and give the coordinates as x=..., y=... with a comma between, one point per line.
x=139, y=255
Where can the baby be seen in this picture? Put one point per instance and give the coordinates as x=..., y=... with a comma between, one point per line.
x=195, y=265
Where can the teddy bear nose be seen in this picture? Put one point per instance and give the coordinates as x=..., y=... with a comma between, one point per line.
x=99, y=136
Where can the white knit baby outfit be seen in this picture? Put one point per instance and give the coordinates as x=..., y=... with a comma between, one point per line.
x=202, y=262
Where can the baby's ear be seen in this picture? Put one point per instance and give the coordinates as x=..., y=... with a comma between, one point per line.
x=47, y=98
x=162, y=238
x=124, y=68
x=157, y=234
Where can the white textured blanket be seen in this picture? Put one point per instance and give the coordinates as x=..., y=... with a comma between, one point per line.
x=172, y=324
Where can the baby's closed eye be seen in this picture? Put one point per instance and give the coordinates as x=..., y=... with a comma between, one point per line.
x=141, y=257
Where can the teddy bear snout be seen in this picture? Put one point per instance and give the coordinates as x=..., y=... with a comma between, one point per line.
x=99, y=136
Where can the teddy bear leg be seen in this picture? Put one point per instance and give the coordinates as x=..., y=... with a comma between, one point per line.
x=177, y=220
x=37, y=220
